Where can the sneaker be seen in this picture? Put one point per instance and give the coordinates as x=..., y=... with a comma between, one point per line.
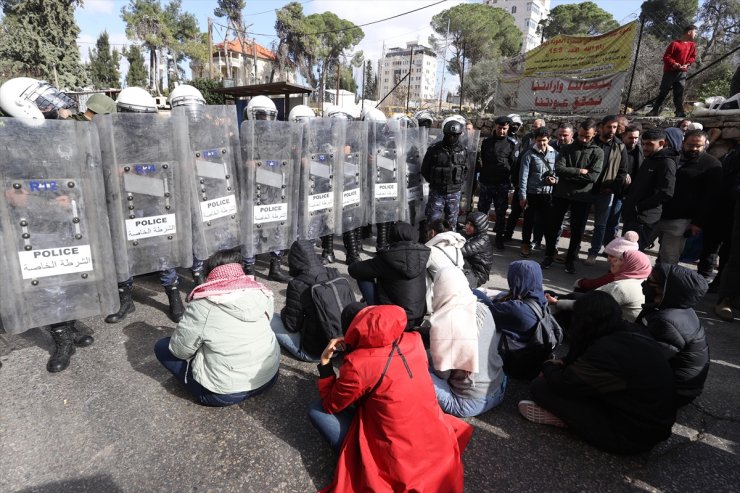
x=526, y=250
x=546, y=262
x=723, y=310
x=536, y=414
x=570, y=267
x=590, y=260
x=559, y=258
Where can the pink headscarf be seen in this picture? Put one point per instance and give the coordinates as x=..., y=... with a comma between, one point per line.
x=636, y=266
x=225, y=279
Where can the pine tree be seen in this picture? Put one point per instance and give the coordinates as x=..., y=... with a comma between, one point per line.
x=137, y=75
x=44, y=40
x=371, y=83
x=103, y=69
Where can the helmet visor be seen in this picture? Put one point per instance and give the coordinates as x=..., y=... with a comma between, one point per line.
x=263, y=114
x=48, y=98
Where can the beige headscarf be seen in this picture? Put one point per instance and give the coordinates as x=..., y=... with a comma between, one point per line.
x=454, y=328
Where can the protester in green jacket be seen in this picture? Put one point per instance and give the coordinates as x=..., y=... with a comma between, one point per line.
x=223, y=350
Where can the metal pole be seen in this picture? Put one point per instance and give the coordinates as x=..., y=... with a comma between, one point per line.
x=444, y=67
x=634, y=65
x=408, y=87
x=210, y=48
x=462, y=78
x=362, y=104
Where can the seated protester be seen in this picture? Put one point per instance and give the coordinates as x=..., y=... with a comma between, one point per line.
x=477, y=250
x=613, y=389
x=671, y=292
x=381, y=413
x=445, y=248
x=223, y=349
x=302, y=336
x=397, y=274
x=629, y=272
x=467, y=370
x=513, y=314
x=614, y=248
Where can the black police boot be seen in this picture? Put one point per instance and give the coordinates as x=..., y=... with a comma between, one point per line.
x=327, y=249
x=381, y=242
x=198, y=277
x=248, y=269
x=423, y=232
x=358, y=240
x=80, y=340
x=127, y=305
x=176, y=306
x=350, y=240
x=275, y=273
x=64, y=347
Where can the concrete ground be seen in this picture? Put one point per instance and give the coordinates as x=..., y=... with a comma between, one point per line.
x=116, y=421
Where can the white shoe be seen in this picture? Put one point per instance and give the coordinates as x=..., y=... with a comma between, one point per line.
x=590, y=260
x=537, y=414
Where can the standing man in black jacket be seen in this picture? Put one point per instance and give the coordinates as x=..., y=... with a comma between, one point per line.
x=698, y=178
x=497, y=157
x=577, y=168
x=652, y=186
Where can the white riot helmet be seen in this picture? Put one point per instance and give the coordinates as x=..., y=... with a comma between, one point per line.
x=424, y=118
x=374, y=115
x=301, y=113
x=24, y=97
x=456, y=118
x=135, y=100
x=334, y=111
x=404, y=121
x=186, y=95
x=261, y=108
x=516, y=119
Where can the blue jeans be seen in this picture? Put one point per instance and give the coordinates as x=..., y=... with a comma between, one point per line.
x=612, y=222
x=290, y=341
x=460, y=406
x=369, y=290
x=332, y=427
x=184, y=373
x=602, y=209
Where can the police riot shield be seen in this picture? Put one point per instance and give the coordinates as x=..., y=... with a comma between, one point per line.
x=214, y=151
x=417, y=190
x=469, y=140
x=386, y=173
x=316, y=211
x=352, y=194
x=145, y=162
x=54, y=234
x=269, y=184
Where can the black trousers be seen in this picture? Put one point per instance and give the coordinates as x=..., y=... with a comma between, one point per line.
x=675, y=81
x=578, y=216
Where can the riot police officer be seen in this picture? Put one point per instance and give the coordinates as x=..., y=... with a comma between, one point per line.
x=445, y=168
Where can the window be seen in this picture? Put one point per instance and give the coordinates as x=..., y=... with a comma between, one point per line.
x=513, y=9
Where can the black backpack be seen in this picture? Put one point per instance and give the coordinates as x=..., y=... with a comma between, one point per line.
x=329, y=299
x=524, y=353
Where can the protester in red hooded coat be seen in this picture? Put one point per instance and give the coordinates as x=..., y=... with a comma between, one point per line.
x=399, y=439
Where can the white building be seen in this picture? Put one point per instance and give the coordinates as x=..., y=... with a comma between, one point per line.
x=395, y=65
x=528, y=14
x=240, y=66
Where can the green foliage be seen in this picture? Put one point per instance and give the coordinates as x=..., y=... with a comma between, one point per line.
x=477, y=32
x=290, y=48
x=103, y=67
x=717, y=82
x=719, y=26
x=137, y=75
x=231, y=9
x=371, y=83
x=40, y=40
x=577, y=19
x=666, y=19
x=481, y=82
x=206, y=88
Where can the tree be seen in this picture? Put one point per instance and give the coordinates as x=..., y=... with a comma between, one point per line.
x=476, y=32
x=371, y=83
x=41, y=40
x=103, y=67
x=184, y=40
x=290, y=48
x=206, y=88
x=481, y=82
x=666, y=19
x=577, y=19
x=232, y=10
x=137, y=75
x=719, y=26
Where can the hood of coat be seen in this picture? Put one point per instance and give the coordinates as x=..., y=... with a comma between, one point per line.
x=682, y=288
x=405, y=255
x=525, y=280
x=302, y=258
x=450, y=289
x=247, y=305
x=675, y=138
x=447, y=239
x=376, y=326
x=479, y=220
